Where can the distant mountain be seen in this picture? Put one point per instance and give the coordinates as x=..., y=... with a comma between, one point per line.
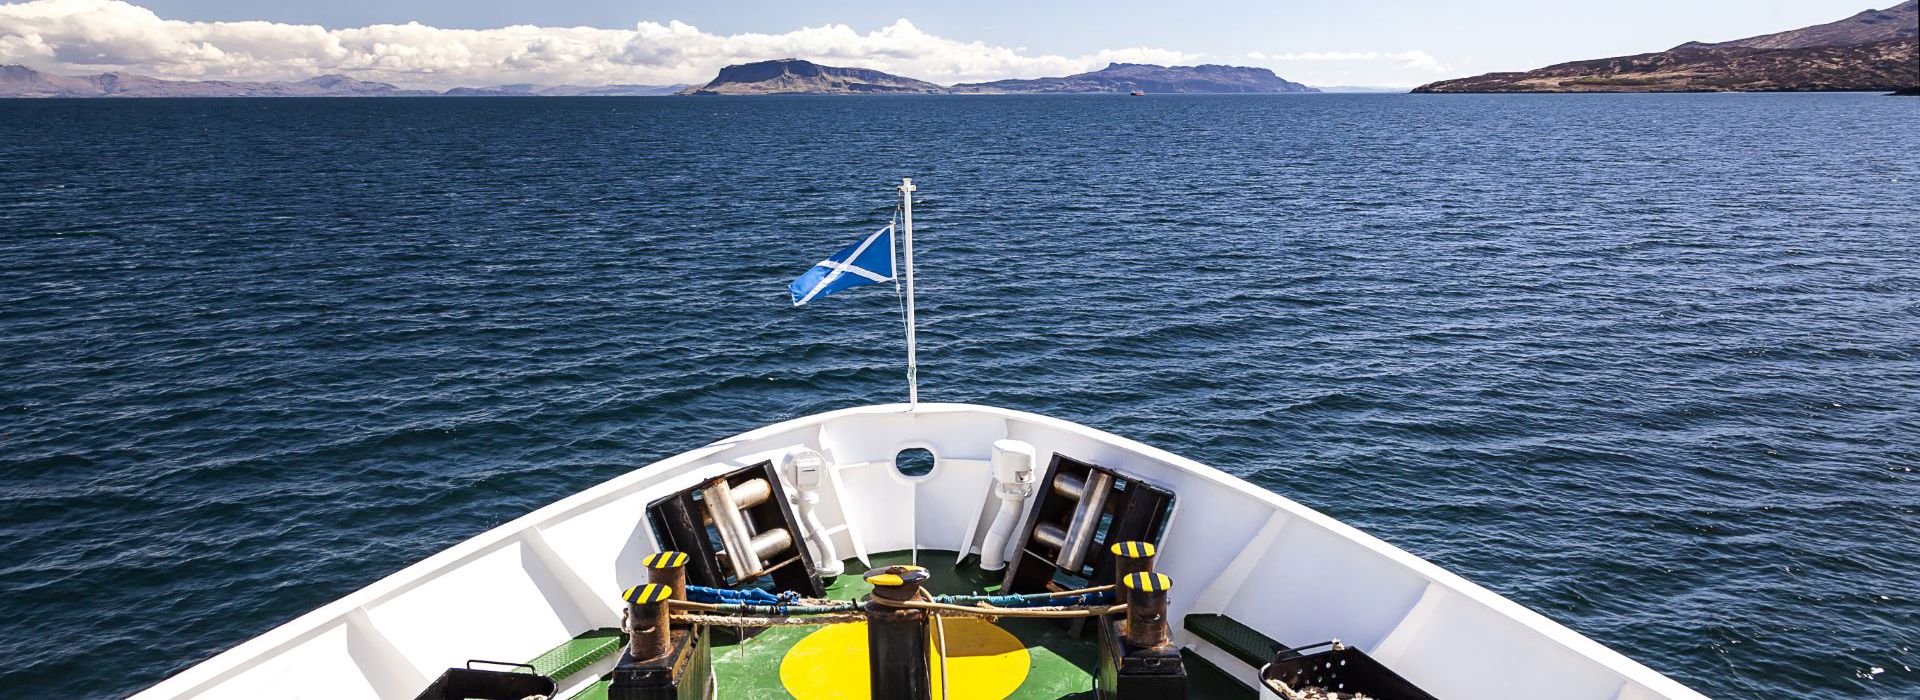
x=786, y=76
x=1126, y=77
x=527, y=90
x=1873, y=50
x=1371, y=89
x=794, y=76
x=21, y=81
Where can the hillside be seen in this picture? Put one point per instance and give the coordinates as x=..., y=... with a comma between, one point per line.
x=1871, y=26
x=1872, y=50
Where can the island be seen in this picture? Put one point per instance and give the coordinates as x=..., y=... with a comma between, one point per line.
x=789, y=76
x=1126, y=77
x=1870, y=51
x=22, y=81
x=793, y=76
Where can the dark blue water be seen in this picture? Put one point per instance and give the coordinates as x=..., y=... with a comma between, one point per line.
x=1648, y=364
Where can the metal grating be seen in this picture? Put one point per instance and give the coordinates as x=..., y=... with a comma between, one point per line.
x=577, y=653
x=1243, y=642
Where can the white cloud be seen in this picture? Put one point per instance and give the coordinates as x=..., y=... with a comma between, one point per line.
x=1416, y=59
x=85, y=36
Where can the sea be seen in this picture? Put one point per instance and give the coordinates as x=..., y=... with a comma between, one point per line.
x=1648, y=364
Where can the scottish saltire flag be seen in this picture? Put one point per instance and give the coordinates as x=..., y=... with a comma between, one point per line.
x=866, y=262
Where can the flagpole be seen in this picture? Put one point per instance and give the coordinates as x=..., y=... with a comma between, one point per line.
x=913, y=365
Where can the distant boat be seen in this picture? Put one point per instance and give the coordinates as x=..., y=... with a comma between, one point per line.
x=1138, y=93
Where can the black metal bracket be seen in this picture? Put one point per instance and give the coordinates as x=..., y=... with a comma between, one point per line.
x=1129, y=509
x=680, y=522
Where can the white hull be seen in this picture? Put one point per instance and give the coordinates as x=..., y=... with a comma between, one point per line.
x=1266, y=561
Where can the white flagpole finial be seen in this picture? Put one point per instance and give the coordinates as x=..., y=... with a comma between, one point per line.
x=913, y=366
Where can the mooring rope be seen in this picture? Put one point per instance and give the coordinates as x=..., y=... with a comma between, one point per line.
x=808, y=612
x=777, y=610
x=989, y=611
x=1102, y=595
x=815, y=620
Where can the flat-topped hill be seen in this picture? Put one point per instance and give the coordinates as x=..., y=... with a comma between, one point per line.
x=795, y=76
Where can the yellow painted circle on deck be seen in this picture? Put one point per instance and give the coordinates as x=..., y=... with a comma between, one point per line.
x=986, y=662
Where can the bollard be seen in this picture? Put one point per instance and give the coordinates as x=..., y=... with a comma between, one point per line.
x=647, y=621
x=1147, y=608
x=669, y=569
x=897, y=652
x=1129, y=558
x=661, y=662
x=1138, y=660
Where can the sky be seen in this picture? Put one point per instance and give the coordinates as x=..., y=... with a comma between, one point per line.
x=447, y=43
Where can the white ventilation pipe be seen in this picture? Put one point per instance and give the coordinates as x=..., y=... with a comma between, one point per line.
x=1012, y=483
x=804, y=469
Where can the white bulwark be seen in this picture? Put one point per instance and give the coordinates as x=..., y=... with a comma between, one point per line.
x=1277, y=566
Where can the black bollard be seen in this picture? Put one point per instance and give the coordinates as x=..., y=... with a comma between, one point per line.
x=897, y=650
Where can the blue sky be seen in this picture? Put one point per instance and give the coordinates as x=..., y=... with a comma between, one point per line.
x=1360, y=42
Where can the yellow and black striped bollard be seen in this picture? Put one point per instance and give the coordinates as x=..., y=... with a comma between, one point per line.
x=1129, y=558
x=1147, y=608
x=648, y=632
x=669, y=569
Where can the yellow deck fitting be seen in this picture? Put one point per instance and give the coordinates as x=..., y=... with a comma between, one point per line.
x=897, y=575
x=666, y=560
x=1148, y=582
x=1132, y=549
x=647, y=593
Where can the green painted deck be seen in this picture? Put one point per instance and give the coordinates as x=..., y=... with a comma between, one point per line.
x=1060, y=664
x=561, y=662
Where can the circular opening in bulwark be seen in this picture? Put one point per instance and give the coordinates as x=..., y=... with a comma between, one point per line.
x=914, y=462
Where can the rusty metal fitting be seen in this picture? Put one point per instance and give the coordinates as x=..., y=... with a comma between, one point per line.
x=669, y=569
x=1147, y=608
x=1129, y=558
x=648, y=631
